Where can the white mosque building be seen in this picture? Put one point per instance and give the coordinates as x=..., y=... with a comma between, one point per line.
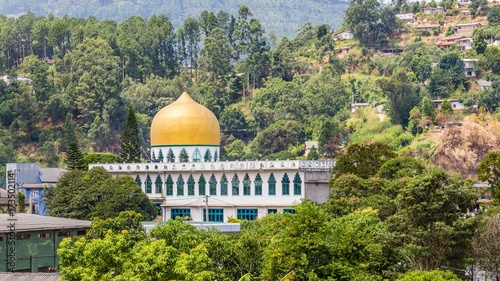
x=187, y=178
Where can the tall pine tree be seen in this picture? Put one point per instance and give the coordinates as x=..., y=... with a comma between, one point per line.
x=130, y=149
x=74, y=157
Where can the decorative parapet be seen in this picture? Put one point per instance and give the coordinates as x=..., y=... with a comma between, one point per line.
x=218, y=166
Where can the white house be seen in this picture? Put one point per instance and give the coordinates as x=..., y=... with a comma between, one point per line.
x=469, y=65
x=344, y=35
x=455, y=104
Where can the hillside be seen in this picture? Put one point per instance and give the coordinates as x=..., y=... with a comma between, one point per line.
x=281, y=17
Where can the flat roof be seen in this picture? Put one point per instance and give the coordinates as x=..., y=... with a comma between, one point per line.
x=25, y=276
x=227, y=227
x=28, y=223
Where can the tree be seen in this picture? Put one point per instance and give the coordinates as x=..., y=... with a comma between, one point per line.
x=479, y=38
x=446, y=107
x=130, y=149
x=363, y=160
x=448, y=76
x=434, y=275
x=277, y=137
x=487, y=247
x=432, y=220
x=489, y=170
x=94, y=193
x=313, y=154
x=21, y=205
x=492, y=56
x=494, y=16
x=402, y=95
x=128, y=220
x=74, y=157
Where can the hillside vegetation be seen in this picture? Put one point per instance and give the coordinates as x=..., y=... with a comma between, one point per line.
x=282, y=17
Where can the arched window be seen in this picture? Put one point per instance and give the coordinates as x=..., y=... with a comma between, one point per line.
x=208, y=156
x=196, y=155
x=160, y=156
x=191, y=185
x=223, y=185
x=180, y=186
x=153, y=156
x=216, y=156
x=235, y=184
x=246, y=185
x=184, y=156
x=297, y=185
x=201, y=186
x=148, y=184
x=170, y=186
x=272, y=185
x=170, y=156
x=138, y=181
x=285, y=185
x=258, y=185
x=158, y=184
x=213, y=185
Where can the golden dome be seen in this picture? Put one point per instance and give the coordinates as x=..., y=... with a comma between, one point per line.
x=185, y=122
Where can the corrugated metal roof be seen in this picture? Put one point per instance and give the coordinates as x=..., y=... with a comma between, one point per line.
x=28, y=222
x=51, y=175
x=25, y=276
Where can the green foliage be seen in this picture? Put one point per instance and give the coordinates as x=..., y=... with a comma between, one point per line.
x=494, y=16
x=362, y=160
x=130, y=149
x=419, y=275
x=74, y=157
x=489, y=170
x=21, y=206
x=94, y=158
x=279, y=136
x=126, y=220
x=313, y=154
x=94, y=193
x=446, y=107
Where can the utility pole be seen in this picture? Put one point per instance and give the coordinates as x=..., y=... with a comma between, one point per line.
x=206, y=208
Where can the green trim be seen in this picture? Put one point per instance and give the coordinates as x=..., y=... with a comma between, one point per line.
x=185, y=145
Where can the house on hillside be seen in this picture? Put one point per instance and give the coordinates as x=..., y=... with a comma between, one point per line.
x=359, y=105
x=463, y=43
x=344, y=35
x=484, y=85
x=455, y=104
x=469, y=65
x=433, y=11
x=406, y=18
x=33, y=181
x=466, y=28
x=428, y=28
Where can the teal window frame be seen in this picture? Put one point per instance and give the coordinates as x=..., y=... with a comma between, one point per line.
x=191, y=184
x=258, y=185
x=180, y=186
x=202, y=185
x=185, y=213
x=297, y=185
x=246, y=185
x=169, y=183
x=235, y=186
x=214, y=214
x=272, y=211
x=138, y=181
x=183, y=156
x=160, y=156
x=149, y=185
x=247, y=214
x=289, y=211
x=271, y=183
x=196, y=155
x=170, y=156
x=158, y=184
x=285, y=185
x=213, y=185
x=223, y=185
x=208, y=156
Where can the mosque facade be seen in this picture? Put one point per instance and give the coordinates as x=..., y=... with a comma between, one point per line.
x=186, y=177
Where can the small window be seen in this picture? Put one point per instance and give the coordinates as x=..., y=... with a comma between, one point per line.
x=44, y=235
x=214, y=215
x=81, y=232
x=64, y=234
x=272, y=211
x=247, y=214
x=23, y=236
x=289, y=211
x=184, y=213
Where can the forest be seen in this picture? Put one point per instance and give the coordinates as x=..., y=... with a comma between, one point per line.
x=281, y=18
x=403, y=205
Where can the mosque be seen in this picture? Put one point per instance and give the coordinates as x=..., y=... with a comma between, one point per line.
x=187, y=178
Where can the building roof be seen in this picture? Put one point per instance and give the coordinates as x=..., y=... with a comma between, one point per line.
x=25, y=276
x=450, y=100
x=51, y=175
x=468, y=24
x=484, y=83
x=4, y=198
x=27, y=222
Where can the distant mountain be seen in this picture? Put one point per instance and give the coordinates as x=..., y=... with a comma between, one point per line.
x=281, y=17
